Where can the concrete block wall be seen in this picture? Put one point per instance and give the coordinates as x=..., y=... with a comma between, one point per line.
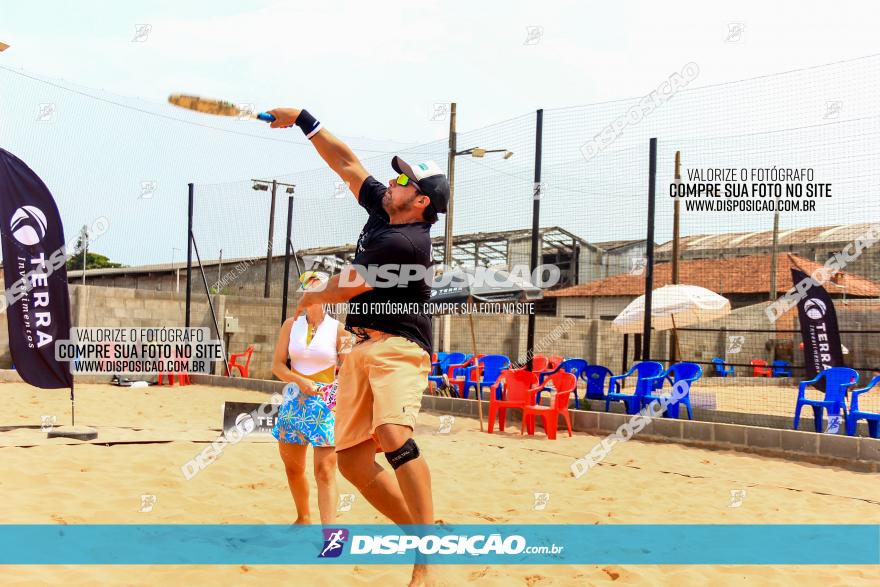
x=859, y=453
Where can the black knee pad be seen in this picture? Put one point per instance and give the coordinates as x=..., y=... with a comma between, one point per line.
x=403, y=455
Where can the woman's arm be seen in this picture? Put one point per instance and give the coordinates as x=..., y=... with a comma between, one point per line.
x=279, y=361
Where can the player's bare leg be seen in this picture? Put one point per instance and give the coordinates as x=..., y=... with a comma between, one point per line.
x=414, y=479
x=294, y=458
x=358, y=465
x=325, y=476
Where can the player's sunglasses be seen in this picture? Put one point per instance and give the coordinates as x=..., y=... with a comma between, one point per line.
x=403, y=179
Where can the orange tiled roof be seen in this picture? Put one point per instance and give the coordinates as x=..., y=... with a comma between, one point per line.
x=732, y=275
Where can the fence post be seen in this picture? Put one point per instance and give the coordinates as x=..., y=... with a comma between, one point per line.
x=189, y=239
x=649, y=270
x=536, y=212
x=287, y=251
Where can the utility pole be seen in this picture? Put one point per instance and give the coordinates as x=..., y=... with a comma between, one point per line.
x=219, y=272
x=84, y=238
x=676, y=219
x=447, y=238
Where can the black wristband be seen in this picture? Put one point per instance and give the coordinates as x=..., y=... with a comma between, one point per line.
x=308, y=124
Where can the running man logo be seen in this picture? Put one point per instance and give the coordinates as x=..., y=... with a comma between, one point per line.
x=639, y=264
x=833, y=425
x=346, y=500
x=541, y=501
x=334, y=540
x=737, y=496
x=47, y=423
x=148, y=502
x=735, y=344
x=446, y=423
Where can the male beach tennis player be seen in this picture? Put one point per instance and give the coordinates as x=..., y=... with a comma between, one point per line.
x=382, y=381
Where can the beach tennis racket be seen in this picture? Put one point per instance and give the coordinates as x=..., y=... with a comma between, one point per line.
x=217, y=107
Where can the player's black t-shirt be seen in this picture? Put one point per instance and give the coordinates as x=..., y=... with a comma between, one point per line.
x=382, y=243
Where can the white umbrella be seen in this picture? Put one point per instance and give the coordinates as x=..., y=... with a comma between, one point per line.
x=673, y=306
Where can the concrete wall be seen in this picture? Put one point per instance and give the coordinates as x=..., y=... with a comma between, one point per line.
x=591, y=308
x=590, y=339
x=94, y=306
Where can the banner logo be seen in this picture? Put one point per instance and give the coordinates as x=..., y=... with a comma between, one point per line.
x=815, y=309
x=28, y=225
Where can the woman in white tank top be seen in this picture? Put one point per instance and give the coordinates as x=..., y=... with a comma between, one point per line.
x=307, y=354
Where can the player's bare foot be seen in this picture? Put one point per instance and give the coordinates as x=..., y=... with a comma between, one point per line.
x=425, y=576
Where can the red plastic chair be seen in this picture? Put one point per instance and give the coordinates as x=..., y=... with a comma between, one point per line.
x=540, y=363
x=760, y=368
x=182, y=378
x=459, y=381
x=516, y=385
x=242, y=369
x=564, y=384
x=554, y=361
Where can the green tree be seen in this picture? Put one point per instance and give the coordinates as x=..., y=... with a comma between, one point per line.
x=93, y=260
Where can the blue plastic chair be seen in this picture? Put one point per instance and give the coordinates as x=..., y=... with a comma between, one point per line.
x=781, y=368
x=648, y=373
x=688, y=372
x=721, y=369
x=435, y=365
x=491, y=367
x=855, y=414
x=837, y=380
x=574, y=366
x=595, y=376
x=443, y=365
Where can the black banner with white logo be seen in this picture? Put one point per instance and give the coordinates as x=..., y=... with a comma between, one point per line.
x=818, y=327
x=248, y=417
x=37, y=303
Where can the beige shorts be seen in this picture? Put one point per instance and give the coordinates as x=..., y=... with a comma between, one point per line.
x=381, y=382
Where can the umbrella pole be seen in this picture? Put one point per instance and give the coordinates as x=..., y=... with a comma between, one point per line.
x=476, y=364
x=675, y=334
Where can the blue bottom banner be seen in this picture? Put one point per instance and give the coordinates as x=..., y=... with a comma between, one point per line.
x=228, y=544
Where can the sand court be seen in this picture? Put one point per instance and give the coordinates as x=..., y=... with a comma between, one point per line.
x=477, y=478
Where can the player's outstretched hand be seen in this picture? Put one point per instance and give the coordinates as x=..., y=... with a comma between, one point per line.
x=284, y=117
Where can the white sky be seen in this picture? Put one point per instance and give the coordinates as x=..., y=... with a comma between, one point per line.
x=375, y=69
x=372, y=72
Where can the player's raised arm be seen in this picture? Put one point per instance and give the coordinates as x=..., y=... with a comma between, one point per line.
x=337, y=154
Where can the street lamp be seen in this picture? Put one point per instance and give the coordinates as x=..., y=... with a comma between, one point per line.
x=480, y=152
x=477, y=152
x=447, y=239
x=263, y=185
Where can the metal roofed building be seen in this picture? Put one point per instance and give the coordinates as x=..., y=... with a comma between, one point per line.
x=817, y=244
x=578, y=260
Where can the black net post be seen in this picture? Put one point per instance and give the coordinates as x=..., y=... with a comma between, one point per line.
x=189, y=231
x=536, y=230
x=649, y=249
x=287, y=253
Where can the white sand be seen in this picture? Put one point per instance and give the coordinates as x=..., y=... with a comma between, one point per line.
x=54, y=482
